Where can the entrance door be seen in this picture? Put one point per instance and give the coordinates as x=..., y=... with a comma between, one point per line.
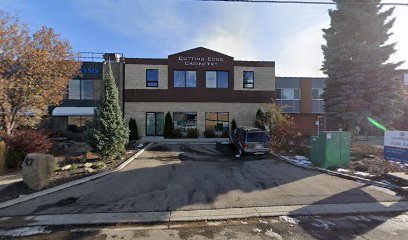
x=154, y=123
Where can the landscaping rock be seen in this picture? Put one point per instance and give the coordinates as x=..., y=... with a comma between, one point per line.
x=37, y=169
x=66, y=167
x=88, y=165
x=90, y=170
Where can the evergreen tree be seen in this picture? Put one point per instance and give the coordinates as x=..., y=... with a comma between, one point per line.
x=168, y=126
x=361, y=83
x=233, y=125
x=133, y=132
x=260, y=119
x=107, y=134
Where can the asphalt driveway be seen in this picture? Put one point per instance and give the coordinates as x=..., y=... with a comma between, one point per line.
x=200, y=176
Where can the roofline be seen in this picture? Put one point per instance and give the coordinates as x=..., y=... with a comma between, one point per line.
x=304, y=77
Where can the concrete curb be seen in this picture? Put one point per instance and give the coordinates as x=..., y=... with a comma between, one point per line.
x=344, y=175
x=202, y=215
x=73, y=183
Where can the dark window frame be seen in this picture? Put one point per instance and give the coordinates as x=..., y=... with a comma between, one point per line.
x=81, y=81
x=217, y=121
x=216, y=78
x=253, y=83
x=151, y=81
x=185, y=77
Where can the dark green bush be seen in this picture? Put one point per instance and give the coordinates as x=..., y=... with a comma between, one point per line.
x=225, y=134
x=14, y=158
x=192, y=133
x=177, y=133
x=209, y=133
x=168, y=126
x=133, y=132
x=233, y=125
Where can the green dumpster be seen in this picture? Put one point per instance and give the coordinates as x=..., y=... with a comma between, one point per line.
x=331, y=149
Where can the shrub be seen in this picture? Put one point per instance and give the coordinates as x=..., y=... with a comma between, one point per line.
x=76, y=136
x=209, y=133
x=168, y=126
x=29, y=141
x=133, y=132
x=192, y=133
x=233, y=125
x=260, y=119
x=225, y=134
x=14, y=158
x=3, y=152
x=177, y=133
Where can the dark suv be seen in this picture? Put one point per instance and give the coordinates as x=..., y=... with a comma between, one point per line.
x=251, y=140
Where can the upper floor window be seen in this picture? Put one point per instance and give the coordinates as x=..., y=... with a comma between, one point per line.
x=185, y=79
x=81, y=89
x=152, y=78
x=248, y=79
x=289, y=98
x=216, y=79
x=317, y=100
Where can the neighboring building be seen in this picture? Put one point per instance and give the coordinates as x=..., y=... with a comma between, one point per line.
x=201, y=89
x=83, y=92
x=301, y=97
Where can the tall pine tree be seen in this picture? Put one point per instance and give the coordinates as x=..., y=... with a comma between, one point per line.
x=361, y=82
x=107, y=133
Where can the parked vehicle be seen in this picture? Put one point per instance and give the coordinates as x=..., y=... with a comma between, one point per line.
x=251, y=141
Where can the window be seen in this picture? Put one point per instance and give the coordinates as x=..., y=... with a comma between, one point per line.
x=185, y=79
x=185, y=120
x=289, y=98
x=78, y=121
x=406, y=79
x=152, y=78
x=317, y=101
x=257, y=137
x=248, y=79
x=216, y=79
x=217, y=121
x=81, y=89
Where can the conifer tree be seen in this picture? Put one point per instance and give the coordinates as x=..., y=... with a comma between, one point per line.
x=260, y=119
x=107, y=133
x=361, y=82
x=168, y=126
x=133, y=132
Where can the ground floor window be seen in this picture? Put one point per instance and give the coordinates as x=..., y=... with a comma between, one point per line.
x=217, y=121
x=77, y=123
x=185, y=120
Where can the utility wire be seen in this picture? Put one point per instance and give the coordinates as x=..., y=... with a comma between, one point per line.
x=306, y=2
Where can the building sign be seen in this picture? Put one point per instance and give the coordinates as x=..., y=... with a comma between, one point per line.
x=91, y=70
x=396, y=146
x=201, y=61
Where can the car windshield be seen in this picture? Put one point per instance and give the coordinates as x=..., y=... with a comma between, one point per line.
x=257, y=137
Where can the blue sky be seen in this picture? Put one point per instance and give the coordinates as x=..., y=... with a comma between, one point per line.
x=288, y=34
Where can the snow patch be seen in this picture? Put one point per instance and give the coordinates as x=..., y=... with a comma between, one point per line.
x=245, y=223
x=360, y=218
x=214, y=223
x=262, y=221
x=326, y=225
x=342, y=170
x=290, y=220
x=298, y=157
x=363, y=174
x=273, y=234
x=298, y=160
x=24, y=231
x=257, y=230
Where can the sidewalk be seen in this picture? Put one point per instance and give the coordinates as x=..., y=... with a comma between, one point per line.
x=203, y=215
x=6, y=180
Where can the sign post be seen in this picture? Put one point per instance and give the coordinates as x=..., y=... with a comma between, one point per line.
x=396, y=146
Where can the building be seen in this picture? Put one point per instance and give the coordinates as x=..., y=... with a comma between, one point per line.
x=200, y=88
x=301, y=97
x=78, y=104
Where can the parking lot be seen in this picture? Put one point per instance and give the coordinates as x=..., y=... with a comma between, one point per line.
x=201, y=176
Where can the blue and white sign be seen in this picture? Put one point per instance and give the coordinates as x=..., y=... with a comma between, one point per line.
x=396, y=146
